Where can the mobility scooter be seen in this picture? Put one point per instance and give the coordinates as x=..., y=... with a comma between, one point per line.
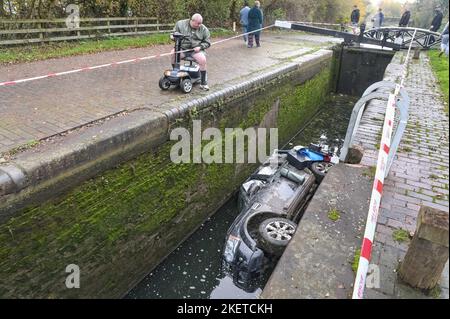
x=182, y=76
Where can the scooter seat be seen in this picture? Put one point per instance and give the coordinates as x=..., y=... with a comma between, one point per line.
x=189, y=59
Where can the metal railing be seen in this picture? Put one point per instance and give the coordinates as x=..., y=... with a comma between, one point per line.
x=335, y=26
x=405, y=36
x=39, y=31
x=402, y=105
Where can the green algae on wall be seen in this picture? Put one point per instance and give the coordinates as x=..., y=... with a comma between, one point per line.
x=119, y=225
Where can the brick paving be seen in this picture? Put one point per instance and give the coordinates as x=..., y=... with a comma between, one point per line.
x=38, y=109
x=419, y=174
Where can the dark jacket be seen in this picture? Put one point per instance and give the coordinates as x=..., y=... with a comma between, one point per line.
x=255, y=19
x=355, y=16
x=405, y=19
x=437, y=21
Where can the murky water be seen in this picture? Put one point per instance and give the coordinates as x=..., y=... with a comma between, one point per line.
x=331, y=122
x=194, y=269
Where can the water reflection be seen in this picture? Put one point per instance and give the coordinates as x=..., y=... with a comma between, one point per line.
x=226, y=289
x=194, y=270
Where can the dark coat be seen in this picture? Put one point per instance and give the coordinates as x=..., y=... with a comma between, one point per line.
x=355, y=16
x=405, y=19
x=437, y=21
x=255, y=20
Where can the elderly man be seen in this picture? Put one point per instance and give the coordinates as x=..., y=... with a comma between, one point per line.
x=255, y=22
x=198, y=41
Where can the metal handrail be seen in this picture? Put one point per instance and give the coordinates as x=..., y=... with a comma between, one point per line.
x=402, y=105
x=421, y=37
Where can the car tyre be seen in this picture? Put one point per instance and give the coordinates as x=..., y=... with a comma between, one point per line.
x=275, y=234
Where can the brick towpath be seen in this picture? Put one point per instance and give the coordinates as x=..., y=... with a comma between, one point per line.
x=38, y=109
x=419, y=174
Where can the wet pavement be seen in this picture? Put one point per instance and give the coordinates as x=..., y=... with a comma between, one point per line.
x=42, y=108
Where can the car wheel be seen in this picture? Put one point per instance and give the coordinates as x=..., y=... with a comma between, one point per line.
x=275, y=234
x=164, y=83
x=320, y=169
x=186, y=85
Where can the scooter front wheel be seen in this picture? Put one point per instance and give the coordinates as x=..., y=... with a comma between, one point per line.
x=186, y=85
x=164, y=83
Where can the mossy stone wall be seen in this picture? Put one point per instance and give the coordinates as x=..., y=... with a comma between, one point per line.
x=121, y=224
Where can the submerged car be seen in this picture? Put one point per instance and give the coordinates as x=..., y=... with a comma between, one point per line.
x=271, y=202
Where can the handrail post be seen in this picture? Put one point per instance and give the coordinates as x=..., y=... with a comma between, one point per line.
x=356, y=118
x=402, y=104
x=41, y=34
x=78, y=31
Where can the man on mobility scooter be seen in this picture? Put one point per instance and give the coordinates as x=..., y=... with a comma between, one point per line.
x=189, y=34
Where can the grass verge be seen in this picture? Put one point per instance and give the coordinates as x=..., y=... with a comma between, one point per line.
x=440, y=68
x=29, y=53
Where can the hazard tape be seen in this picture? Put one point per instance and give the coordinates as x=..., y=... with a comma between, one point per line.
x=377, y=190
x=50, y=75
x=375, y=200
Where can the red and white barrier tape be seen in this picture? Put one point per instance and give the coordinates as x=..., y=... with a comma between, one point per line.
x=405, y=70
x=375, y=200
x=377, y=191
x=50, y=75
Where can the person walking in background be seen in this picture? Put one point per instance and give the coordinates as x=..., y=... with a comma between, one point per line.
x=444, y=43
x=404, y=21
x=436, y=23
x=437, y=20
x=244, y=20
x=354, y=18
x=255, y=21
x=378, y=19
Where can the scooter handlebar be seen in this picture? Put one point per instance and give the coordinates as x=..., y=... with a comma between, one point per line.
x=178, y=35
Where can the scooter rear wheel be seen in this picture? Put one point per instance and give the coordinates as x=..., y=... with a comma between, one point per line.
x=320, y=169
x=164, y=83
x=186, y=85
